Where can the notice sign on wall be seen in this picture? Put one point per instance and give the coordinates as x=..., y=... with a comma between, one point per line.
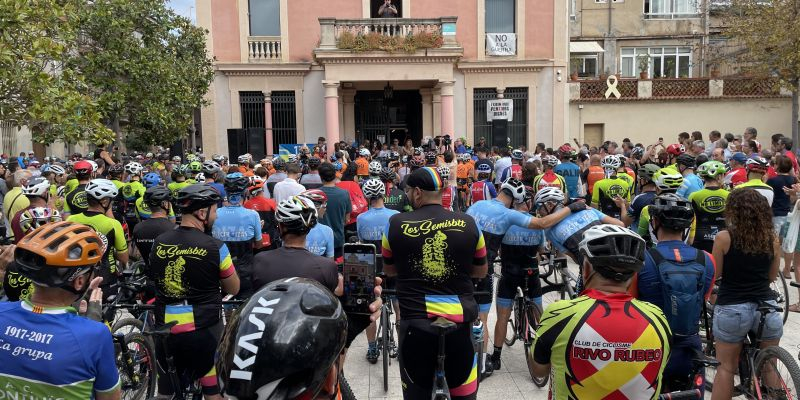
x=500, y=109
x=501, y=44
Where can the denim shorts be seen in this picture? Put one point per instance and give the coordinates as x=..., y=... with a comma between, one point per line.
x=732, y=322
x=777, y=225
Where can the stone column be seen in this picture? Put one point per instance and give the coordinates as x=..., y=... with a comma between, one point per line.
x=349, y=113
x=331, y=111
x=427, y=111
x=448, y=108
x=268, y=123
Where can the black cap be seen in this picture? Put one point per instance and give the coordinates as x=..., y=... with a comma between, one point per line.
x=426, y=178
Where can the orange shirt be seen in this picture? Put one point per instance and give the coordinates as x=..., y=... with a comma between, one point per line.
x=362, y=166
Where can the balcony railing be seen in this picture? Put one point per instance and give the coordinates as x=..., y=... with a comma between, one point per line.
x=677, y=88
x=443, y=30
x=264, y=48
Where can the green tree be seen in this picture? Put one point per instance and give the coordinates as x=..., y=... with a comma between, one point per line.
x=37, y=39
x=147, y=67
x=770, y=33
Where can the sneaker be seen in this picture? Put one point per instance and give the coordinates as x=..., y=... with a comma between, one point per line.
x=372, y=354
x=495, y=361
x=488, y=369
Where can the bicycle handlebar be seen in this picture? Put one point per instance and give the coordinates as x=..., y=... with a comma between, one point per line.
x=683, y=395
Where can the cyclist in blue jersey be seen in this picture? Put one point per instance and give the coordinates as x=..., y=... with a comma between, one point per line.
x=319, y=240
x=371, y=226
x=630, y=215
x=56, y=354
x=494, y=218
x=570, y=171
x=519, y=248
x=240, y=229
x=691, y=182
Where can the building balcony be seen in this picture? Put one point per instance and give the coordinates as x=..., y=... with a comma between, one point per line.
x=381, y=37
x=675, y=89
x=264, y=48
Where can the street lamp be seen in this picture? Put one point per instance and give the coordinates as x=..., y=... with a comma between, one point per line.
x=388, y=91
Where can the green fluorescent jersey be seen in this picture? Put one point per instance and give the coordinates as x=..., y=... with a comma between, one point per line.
x=709, y=205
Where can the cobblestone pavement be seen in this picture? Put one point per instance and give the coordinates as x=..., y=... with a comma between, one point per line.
x=512, y=382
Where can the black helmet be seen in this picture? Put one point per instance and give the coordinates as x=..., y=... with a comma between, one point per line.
x=236, y=183
x=197, y=197
x=278, y=164
x=673, y=211
x=613, y=251
x=156, y=195
x=687, y=160
x=314, y=162
x=430, y=157
x=388, y=175
x=311, y=326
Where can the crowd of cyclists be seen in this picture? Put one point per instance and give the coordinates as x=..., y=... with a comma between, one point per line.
x=657, y=232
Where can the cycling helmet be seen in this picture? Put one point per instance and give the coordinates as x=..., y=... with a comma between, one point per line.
x=58, y=170
x=668, y=179
x=317, y=196
x=200, y=178
x=133, y=168
x=388, y=175
x=687, y=160
x=82, y=168
x=151, y=179
x=291, y=158
x=484, y=169
x=278, y=164
x=373, y=189
x=297, y=213
x=243, y=159
x=611, y=161
x=56, y=254
x=463, y=157
x=36, y=187
x=375, y=168
x=295, y=365
x=254, y=180
x=637, y=153
x=217, y=158
x=418, y=151
x=100, y=189
x=516, y=154
x=314, y=162
x=176, y=159
x=549, y=161
x=711, y=169
x=444, y=172
x=116, y=169
x=196, y=197
x=647, y=171
x=236, y=183
x=416, y=163
x=673, y=211
x=514, y=188
x=33, y=218
x=363, y=153
x=547, y=194
x=195, y=167
x=613, y=251
x=337, y=166
x=394, y=156
x=211, y=167
x=149, y=155
x=757, y=164
x=565, y=149
x=60, y=191
x=676, y=149
x=93, y=164
x=156, y=195
x=430, y=157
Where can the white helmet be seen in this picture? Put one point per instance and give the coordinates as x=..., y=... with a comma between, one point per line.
x=550, y=161
x=515, y=188
x=94, y=165
x=60, y=191
x=611, y=161
x=297, y=212
x=373, y=188
x=57, y=169
x=444, y=172
x=36, y=187
x=516, y=154
x=100, y=189
x=614, y=251
x=364, y=152
x=292, y=158
x=464, y=157
x=200, y=178
x=134, y=168
x=375, y=168
x=36, y=217
x=549, y=194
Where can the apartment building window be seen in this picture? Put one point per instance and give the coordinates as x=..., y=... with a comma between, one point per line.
x=586, y=65
x=664, y=62
x=671, y=8
x=500, y=16
x=265, y=17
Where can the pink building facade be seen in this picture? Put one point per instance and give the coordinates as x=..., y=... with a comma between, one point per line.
x=290, y=71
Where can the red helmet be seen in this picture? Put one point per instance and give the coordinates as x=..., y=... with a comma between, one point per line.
x=757, y=164
x=317, y=196
x=565, y=149
x=676, y=149
x=82, y=167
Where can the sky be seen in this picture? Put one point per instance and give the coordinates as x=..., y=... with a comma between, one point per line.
x=183, y=7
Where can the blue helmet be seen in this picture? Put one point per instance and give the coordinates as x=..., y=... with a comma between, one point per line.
x=151, y=179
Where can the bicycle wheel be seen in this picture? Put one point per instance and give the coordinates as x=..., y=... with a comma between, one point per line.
x=142, y=384
x=127, y=325
x=385, y=346
x=511, y=330
x=344, y=389
x=778, y=373
x=781, y=290
x=531, y=321
x=570, y=282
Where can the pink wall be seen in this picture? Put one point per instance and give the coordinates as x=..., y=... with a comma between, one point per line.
x=225, y=25
x=467, y=26
x=304, y=23
x=539, y=29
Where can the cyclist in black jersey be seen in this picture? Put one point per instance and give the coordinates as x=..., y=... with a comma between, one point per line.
x=709, y=205
x=395, y=198
x=157, y=198
x=75, y=199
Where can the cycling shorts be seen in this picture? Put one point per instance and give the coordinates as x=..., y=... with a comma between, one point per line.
x=485, y=285
x=193, y=354
x=705, y=245
x=419, y=344
x=508, y=284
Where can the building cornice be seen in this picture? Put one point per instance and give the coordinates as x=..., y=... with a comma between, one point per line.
x=503, y=66
x=264, y=69
x=428, y=56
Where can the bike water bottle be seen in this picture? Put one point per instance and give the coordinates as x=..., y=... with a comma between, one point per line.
x=477, y=335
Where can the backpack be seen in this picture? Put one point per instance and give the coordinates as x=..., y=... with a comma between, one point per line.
x=682, y=291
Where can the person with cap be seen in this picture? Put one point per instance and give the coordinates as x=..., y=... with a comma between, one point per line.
x=686, y=164
x=613, y=319
x=737, y=174
x=191, y=270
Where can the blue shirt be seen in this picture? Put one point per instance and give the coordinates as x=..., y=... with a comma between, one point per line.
x=319, y=241
x=494, y=217
x=236, y=224
x=648, y=281
x=691, y=184
x=54, y=353
x=338, y=209
x=571, y=173
x=372, y=224
x=638, y=204
x=519, y=236
x=567, y=234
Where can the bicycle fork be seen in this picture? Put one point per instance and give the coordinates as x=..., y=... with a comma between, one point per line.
x=125, y=355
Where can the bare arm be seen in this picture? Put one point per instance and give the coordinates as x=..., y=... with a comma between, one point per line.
x=479, y=271
x=721, y=245
x=112, y=395
x=776, y=260
x=122, y=257
x=614, y=221
x=231, y=284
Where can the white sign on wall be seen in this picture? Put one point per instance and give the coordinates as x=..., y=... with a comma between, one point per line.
x=500, y=109
x=501, y=44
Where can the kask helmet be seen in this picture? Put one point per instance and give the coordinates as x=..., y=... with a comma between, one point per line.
x=711, y=169
x=388, y=175
x=547, y=194
x=614, y=252
x=116, y=169
x=687, y=160
x=58, y=170
x=195, y=167
x=668, y=179
x=549, y=161
x=100, y=189
x=373, y=189
x=375, y=168
x=647, y=171
x=134, y=168
x=278, y=164
x=611, y=161
x=364, y=152
x=314, y=162
x=430, y=157
x=514, y=188
x=484, y=169
x=291, y=158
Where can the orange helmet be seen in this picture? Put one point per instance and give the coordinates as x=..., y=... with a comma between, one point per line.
x=55, y=254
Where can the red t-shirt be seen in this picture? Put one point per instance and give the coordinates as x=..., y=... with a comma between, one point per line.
x=447, y=198
x=792, y=157
x=736, y=177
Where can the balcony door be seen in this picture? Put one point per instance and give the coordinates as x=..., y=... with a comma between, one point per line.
x=375, y=6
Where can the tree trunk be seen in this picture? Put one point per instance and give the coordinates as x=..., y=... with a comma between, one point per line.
x=795, y=111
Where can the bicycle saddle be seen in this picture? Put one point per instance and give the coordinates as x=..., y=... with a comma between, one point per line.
x=163, y=330
x=764, y=307
x=704, y=360
x=442, y=324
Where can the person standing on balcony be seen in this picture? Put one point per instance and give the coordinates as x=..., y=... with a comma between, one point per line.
x=387, y=10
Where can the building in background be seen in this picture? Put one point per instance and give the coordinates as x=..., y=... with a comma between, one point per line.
x=291, y=71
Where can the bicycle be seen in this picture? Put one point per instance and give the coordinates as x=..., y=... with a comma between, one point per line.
x=757, y=366
x=136, y=363
x=440, y=389
x=522, y=325
x=386, y=342
x=564, y=281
